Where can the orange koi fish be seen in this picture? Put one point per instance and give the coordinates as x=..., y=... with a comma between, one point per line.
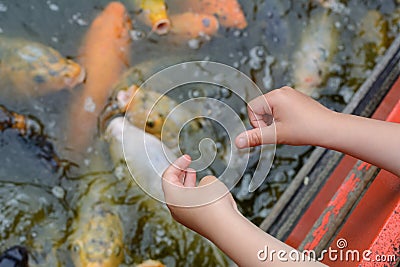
x=191, y=25
x=228, y=12
x=105, y=55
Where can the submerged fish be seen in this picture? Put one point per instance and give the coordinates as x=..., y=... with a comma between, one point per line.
x=146, y=156
x=35, y=218
x=147, y=167
x=35, y=69
x=105, y=55
x=98, y=237
x=15, y=256
x=155, y=13
x=315, y=52
x=147, y=109
x=228, y=12
x=371, y=42
x=32, y=131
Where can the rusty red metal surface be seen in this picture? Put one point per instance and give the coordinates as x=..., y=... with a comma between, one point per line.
x=373, y=225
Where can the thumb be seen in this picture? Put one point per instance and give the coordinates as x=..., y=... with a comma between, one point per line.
x=207, y=180
x=256, y=137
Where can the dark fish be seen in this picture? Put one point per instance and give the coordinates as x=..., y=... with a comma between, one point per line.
x=15, y=256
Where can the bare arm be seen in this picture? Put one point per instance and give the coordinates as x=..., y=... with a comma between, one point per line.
x=373, y=141
x=222, y=223
x=300, y=120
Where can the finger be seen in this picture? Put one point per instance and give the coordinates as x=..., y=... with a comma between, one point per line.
x=175, y=171
x=190, y=179
x=258, y=109
x=256, y=137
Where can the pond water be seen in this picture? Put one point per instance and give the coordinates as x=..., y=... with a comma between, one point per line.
x=39, y=207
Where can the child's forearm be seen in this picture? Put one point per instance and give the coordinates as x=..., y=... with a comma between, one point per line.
x=248, y=245
x=373, y=141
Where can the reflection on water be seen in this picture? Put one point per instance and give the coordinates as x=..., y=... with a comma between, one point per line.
x=41, y=210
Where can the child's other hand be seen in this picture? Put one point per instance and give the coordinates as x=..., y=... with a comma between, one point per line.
x=209, y=216
x=298, y=119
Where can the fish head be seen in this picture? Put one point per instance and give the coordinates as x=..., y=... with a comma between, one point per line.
x=116, y=14
x=73, y=73
x=47, y=69
x=99, y=242
x=149, y=111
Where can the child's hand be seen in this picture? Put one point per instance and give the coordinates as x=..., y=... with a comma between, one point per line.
x=299, y=120
x=184, y=199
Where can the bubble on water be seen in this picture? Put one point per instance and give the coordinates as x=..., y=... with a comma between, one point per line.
x=89, y=106
x=347, y=93
x=219, y=78
x=219, y=145
x=22, y=239
x=336, y=7
x=264, y=212
x=284, y=63
x=58, y=192
x=3, y=7
x=244, y=193
x=334, y=83
x=33, y=234
x=237, y=33
x=137, y=35
x=236, y=65
x=196, y=92
x=54, y=39
x=194, y=44
x=351, y=27
x=225, y=92
x=338, y=25
x=160, y=232
x=257, y=57
x=119, y=172
x=53, y=6
x=77, y=18
x=267, y=79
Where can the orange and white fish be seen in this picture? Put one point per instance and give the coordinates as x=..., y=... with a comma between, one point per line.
x=228, y=12
x=316, y=48
x=105, y=55
x=35, y=69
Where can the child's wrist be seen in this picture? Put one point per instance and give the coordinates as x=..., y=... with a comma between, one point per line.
x=330, y=129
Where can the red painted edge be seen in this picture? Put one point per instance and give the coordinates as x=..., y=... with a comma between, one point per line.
x=373, y=225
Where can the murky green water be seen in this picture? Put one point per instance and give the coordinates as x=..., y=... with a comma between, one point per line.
x=38, y=208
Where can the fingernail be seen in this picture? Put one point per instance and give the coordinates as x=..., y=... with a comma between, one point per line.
x=241, y=142
x=186, y=156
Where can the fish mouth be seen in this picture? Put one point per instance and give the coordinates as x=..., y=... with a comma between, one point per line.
x=162, y=26
x=74, y=80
